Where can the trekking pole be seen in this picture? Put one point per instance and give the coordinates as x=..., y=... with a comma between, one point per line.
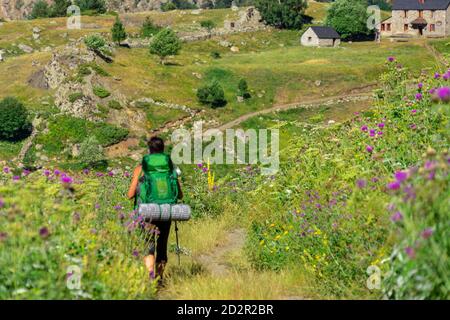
x=178, y=245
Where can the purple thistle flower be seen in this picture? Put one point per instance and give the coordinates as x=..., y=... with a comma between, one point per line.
x=126, y=174
x=372, y=133
x=397, y=216
x=410, y=252
x=381, y=125
x=437, y=75
x=97, y=206
x=419, y=96
x=413, y=126
x=56, y=172
x=361, y=183
x=66, y=179
x=446, y=76
x=111, y=173
x=118, y=207
x=420, y=85
x=394, y=185
x=414, y=111
x=391, y=59
x=369, y=149
x=3, y=236
x=135, y=253
x=205, y=170
x=47, y=173
x=99, y=174
x=86, y=171
x=44, y=233
x=401, y=176
x=26, y=172
x=6, y=170
x=364, y=128
x=427, y=233
x=444, y=94
x=432, y=175
x=16, y=178
x=432, y=91
x=380, y=133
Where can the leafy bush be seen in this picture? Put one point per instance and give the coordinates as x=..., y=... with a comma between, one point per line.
x=97, y=43
x=281, y=14
x=94, y=6
x=41, y=9
x=209, y=25
x=149, y=29
x=243, y=89
x=91, y=152
x=168, y=6
x=14, y=123
x=215, y=55
x=101, y=92
x=212, y=94
x=75, y=96
x=165, y=43
x=113, y=104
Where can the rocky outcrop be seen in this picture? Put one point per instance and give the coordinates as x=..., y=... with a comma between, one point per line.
x=20, y=9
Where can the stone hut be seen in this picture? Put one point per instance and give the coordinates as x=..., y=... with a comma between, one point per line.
x=320, y=37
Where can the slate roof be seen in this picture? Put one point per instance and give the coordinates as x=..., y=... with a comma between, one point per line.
x=416, y=5
x=326, y=32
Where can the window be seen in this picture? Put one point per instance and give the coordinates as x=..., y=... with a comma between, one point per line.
x=432, y=27
x=420, y=13
x=309, y=39
x=383, y=27
x=405, y=13
x=405, y=27
x=388, y=27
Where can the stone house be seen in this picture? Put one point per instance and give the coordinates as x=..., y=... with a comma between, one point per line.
x=416, y=18
x=320, y=37
x=248, y=19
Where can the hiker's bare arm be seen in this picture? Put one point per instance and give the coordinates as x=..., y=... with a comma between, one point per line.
x=134, y=182
x=180, y=193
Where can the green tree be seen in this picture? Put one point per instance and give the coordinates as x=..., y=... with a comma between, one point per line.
x=285, y=14
x=40, y=9
x=212, y=94
x=168, y=6
x=59, y=8
x=118, y=31
x=149, y=29
x=14, y=123
x=96, y=6
x=349, y=18
x=165, y=43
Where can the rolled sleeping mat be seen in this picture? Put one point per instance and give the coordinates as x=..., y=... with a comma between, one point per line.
x=164, y=212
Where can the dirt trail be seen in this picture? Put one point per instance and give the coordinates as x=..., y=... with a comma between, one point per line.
x=437, y=55
x=309, y=103
x=216, y=261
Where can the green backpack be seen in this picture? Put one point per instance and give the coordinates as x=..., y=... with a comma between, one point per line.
x=159, y=181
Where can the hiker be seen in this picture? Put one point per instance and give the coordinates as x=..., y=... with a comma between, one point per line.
x=156, y=167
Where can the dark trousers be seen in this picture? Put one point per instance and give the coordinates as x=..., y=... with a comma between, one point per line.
x=158, y=234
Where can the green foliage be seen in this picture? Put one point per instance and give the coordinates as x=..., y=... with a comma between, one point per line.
x=65, y=130
x=41, y=9
x=101, y=92
x=215, y=55
x=113, y=104
x=95, y=42
x=349, y=18
x=149, y=29
x=165, y=43
x=286, y=14
x=168, y=6
x=91, y=152
x=14, y=123
x=208, y=25
x=212, y=94
x=94, y=6
x=75, y=96
x=59, y=8
x=118, y=31
x=243, y=89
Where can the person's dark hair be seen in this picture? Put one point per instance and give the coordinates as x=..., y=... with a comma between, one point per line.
x=156, y=145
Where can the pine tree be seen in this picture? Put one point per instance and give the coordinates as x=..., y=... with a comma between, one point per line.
x=118, y=31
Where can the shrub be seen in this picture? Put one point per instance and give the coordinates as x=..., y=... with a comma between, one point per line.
x=59, y=8
x=40, y=9
x=91, y=152
x=75, y=96
x=118, y=31
x=14, y=123
x=212, y=94
x=101, y=92
x=95, y=42
x=165, y=43
x=209, y=25
x=93, y=6
x=168, y=6
x=113, y=104
x=215, y=55
x=149, y=29
x=243, y=89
